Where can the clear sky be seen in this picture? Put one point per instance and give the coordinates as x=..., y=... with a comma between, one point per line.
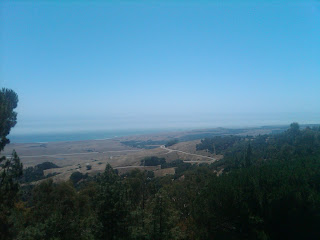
x=144, y=64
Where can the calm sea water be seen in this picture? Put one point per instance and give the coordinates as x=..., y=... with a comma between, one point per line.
x=76, y=136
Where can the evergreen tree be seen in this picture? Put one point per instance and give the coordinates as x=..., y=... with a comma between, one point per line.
x=10, y=168
x=8, y=117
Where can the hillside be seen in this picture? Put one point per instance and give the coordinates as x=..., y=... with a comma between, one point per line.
x=265, y=187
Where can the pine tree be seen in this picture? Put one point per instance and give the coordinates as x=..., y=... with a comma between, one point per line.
x=10, y=168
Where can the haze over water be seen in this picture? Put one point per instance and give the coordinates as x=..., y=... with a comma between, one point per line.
x=97, y=129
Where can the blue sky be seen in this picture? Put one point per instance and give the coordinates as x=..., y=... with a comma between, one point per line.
x=146, y=64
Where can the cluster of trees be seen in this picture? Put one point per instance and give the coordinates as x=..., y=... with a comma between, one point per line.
x=36, y=173
x=172, y=142
x=149, y=144
x=152, y=161
x=76, y=177
x=291, y=145
x=269, y=189
x=218, y=144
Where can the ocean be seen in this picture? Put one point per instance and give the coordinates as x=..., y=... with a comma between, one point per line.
x=76, y=136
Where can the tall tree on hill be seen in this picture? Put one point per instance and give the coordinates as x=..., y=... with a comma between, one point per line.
x=8, y=117
x=10, y=168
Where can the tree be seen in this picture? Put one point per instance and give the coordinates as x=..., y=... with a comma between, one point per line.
x=294, y=127
x=8, y=117
x=162, y=218
x=10, y=168
x=172, y=142
x=111, y=206
x=58, y=212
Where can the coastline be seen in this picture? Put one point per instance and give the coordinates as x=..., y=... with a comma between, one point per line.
x=43, y=138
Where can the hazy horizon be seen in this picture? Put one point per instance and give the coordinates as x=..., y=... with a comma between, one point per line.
x=169, y=65
x=159, y=123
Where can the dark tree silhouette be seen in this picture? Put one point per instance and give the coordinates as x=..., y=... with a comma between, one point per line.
x=10, y=168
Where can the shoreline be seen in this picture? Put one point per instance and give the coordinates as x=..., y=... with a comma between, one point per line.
x=45, y=138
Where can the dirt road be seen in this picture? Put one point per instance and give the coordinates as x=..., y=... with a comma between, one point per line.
x=191, y=154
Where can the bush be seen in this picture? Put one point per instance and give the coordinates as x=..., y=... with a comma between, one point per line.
x=88, y=167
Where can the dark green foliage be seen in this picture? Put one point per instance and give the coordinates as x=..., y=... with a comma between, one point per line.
x=36, y=173
x=10, y=172
x=212, y=133
x=183, y=167
x=275, y=201
x=111, y=206
x=46, y=165
x=179, y=165
x=144, y=144
x=8, y=117
x=172, y=142
x=88, y=167
x=77, y=176
x=247, y=159
x=276, y=198
x=162, y=222
x=152, y=161
x=59, y=212
x=174, y=163
x=218, y=144
x=10, y=167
